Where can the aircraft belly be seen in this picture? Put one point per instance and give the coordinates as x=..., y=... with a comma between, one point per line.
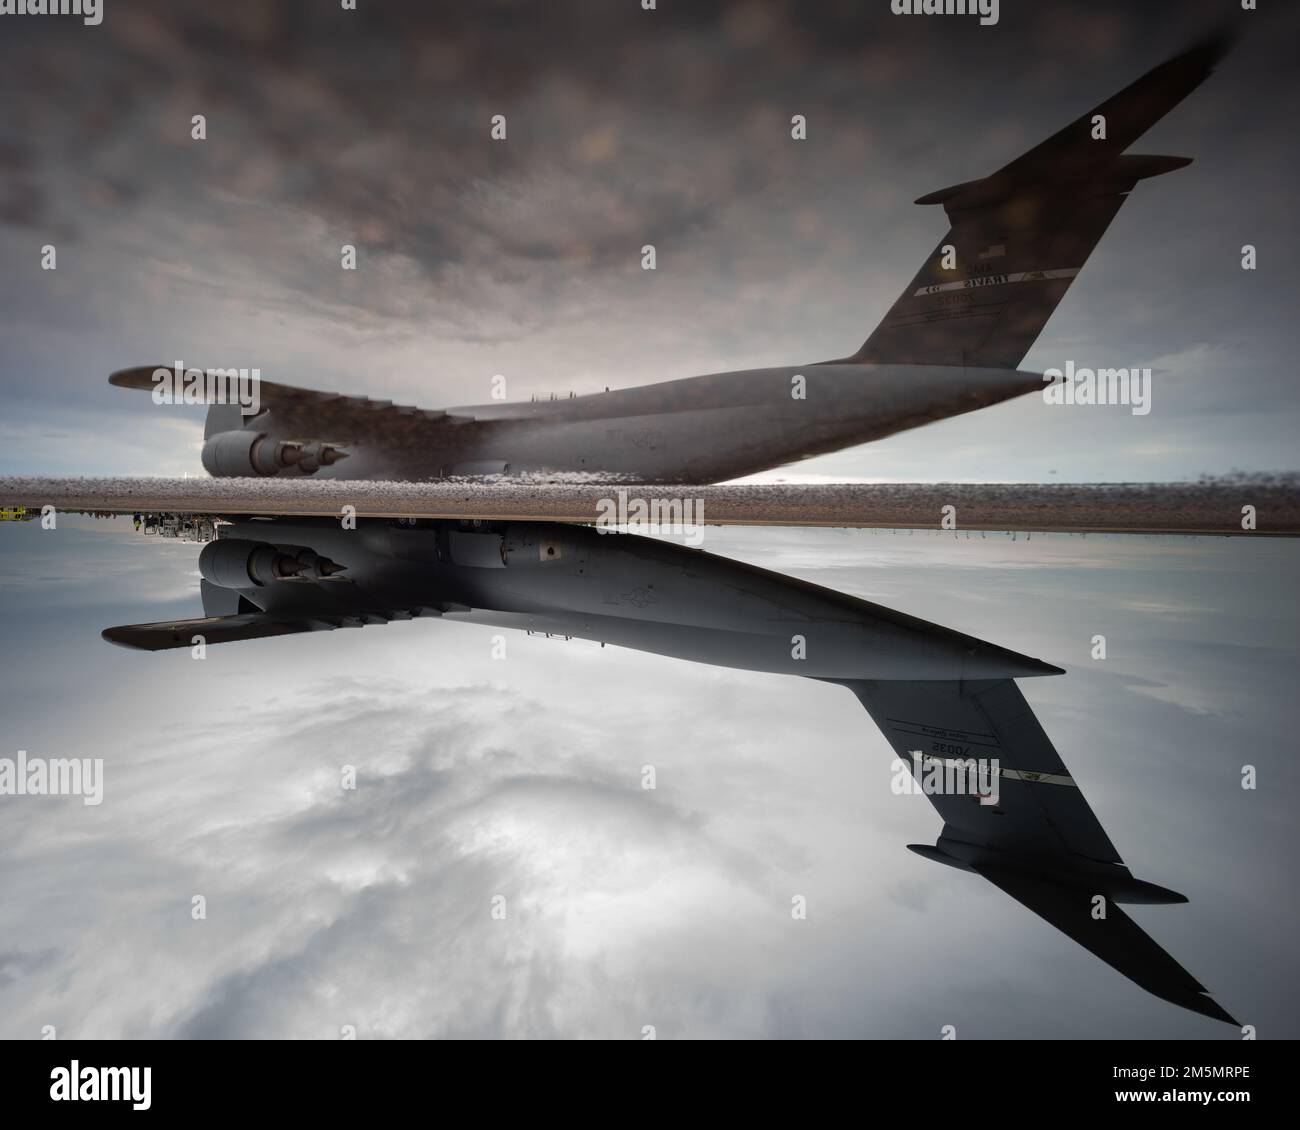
x=701, y=445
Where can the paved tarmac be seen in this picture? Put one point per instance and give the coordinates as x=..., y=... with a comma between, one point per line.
x=1213, y=507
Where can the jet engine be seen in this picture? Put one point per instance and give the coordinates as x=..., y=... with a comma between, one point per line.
x=231, y=563
x=241, y=453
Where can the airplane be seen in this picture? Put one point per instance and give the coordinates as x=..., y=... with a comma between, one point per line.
x=950, y=344
x=942, y=699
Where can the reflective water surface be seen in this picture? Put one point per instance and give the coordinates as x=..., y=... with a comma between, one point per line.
x=501, y=866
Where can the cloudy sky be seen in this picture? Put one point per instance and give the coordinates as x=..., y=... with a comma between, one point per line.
x=625, y=127
x=520, y=777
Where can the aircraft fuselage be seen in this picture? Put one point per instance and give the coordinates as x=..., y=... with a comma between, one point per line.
x=697, y=429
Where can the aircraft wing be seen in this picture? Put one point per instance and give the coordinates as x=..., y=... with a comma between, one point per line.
x=331, y=415
x=1040, y=842
x=171, y=634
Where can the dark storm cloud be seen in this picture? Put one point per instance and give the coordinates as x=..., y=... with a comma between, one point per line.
x=626, y=127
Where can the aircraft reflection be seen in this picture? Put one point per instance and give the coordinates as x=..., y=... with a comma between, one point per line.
x=947, y=703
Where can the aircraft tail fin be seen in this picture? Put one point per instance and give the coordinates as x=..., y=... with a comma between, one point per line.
x=1116, y=939
x=1014, y=814
x=1021, y=235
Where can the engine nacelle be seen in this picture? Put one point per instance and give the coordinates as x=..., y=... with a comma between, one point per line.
x=237, y=454
x=232, y=563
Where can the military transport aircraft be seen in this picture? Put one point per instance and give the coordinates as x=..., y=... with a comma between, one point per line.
x=944, y=701
x=950, y=344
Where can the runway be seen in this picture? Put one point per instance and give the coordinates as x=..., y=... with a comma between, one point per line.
x=1265, y=506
